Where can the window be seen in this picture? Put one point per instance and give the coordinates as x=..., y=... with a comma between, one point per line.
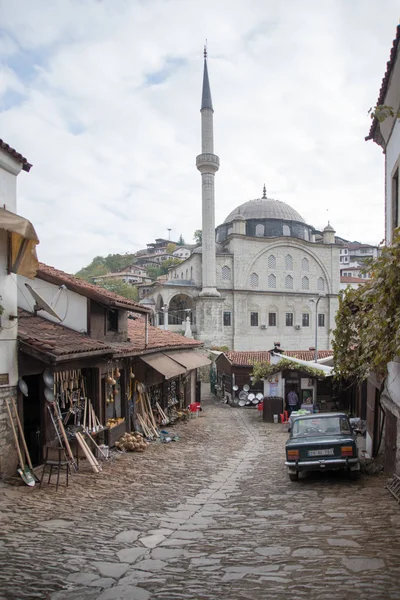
x=227, y=319
x=272, y=319
x=304, y=264
x=271, y=262
x=254, y=319
x=289, y=319
x=305, y=319
x=112, y=320
x=254, y=280
x=288, y=262
x=289, y=282
x=260, y=230
x=305, y=284
x=286, y=230
x=226, y=273
x=320, y=284
x=272, y=281
x=321, y=320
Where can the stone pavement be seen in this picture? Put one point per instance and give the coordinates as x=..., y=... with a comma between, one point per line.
x=213, y=516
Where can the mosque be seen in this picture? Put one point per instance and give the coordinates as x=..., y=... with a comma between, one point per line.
x=264, y=276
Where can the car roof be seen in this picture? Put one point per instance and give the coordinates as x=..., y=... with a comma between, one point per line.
x=318, y=415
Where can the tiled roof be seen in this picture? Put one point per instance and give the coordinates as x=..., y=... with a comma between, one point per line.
x=157, y=338
x=26, y=166
x=58, y=342
x=247, y=359
x=90, y=290
x=347, y=279
x=54, y=339
x=385, y=82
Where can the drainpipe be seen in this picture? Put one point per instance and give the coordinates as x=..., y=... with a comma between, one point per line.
x=146, y=331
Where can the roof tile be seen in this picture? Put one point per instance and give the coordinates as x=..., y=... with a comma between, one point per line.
x=87, y=289
x=26, y=166
x=248, y=359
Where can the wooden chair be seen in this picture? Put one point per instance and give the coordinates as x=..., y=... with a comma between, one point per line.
x=55, y=458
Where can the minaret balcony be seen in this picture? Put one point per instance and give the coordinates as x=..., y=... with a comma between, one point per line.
x=207, y=163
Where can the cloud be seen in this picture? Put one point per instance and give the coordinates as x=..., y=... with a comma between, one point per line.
x=103, y=98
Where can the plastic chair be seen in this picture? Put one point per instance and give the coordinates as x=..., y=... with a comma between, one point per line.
x=57, y=461
x=284, y=417
x=260, y=407
x=194, y=408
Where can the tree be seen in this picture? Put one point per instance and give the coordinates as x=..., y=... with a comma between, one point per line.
x=181, y=241
x=110, y=264
x=367, y=334
x=170, y=248
x=121, y=288
x=198, y=236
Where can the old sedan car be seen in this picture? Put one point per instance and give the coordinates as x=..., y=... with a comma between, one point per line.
x=322, y=442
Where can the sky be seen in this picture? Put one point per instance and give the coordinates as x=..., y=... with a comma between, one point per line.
x=103, y=98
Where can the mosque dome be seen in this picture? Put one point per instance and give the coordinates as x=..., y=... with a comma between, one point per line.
x=265, y=218
x=265, y=208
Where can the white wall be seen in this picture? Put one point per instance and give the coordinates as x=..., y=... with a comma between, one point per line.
x=70, y=306
x=8, y=331
x=391, y=163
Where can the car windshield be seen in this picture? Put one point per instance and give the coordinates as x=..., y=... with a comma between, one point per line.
x=321, y=426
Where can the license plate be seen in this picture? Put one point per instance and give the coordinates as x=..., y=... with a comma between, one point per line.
x=325, y=452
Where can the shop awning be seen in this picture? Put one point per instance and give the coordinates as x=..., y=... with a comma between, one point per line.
x=164, y=365
x=189, y=359
x=22, y=257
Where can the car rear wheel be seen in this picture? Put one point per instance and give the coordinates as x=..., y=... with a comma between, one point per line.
x=294, y=476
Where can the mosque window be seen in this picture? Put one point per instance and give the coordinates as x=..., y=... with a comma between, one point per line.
x=272, y=281
x=226, y=273
x=254, y=280
x=230, y=230
x=272, y=319
x=187, y=273
x=227, y=318
x=191, y=272
x=305, y=283
x=286, y=230
x=289, y=282
x=271, y=261
x=260, y=230
x=288, y=262
x=321, y=284
x=289, y=319
x=254, y=319
x=305, y=320
x=305, y=265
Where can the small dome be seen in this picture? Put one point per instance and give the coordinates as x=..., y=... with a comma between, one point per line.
x=265, y=208
x=238, y=217
x=329, y=228
x=219, y=249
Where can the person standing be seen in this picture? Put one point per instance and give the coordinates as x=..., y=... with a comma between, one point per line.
x=292, y=401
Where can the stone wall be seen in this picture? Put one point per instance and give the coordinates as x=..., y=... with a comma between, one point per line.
x=8, y=453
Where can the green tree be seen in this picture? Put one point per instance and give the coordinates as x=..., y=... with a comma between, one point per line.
x=181, y=241
x=198, y=236
x=110, y=264
x=170, y=248
x=367, y=334
x=121, y=288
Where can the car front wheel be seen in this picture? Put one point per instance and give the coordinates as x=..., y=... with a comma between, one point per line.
x=294, y=476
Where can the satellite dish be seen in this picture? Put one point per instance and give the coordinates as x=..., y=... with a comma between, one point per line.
x=23, y=387
x=41, y=304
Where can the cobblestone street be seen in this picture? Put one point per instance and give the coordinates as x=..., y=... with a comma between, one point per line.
x=213, y=516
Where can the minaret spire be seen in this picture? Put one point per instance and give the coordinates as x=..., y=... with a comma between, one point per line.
x=264, y=192
x=208, y=164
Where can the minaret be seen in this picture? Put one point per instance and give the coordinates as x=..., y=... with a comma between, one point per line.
x=208, y=164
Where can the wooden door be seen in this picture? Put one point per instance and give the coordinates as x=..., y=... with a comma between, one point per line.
x=390, y=443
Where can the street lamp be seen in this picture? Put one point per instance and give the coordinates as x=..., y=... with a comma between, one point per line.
x=316, y=302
